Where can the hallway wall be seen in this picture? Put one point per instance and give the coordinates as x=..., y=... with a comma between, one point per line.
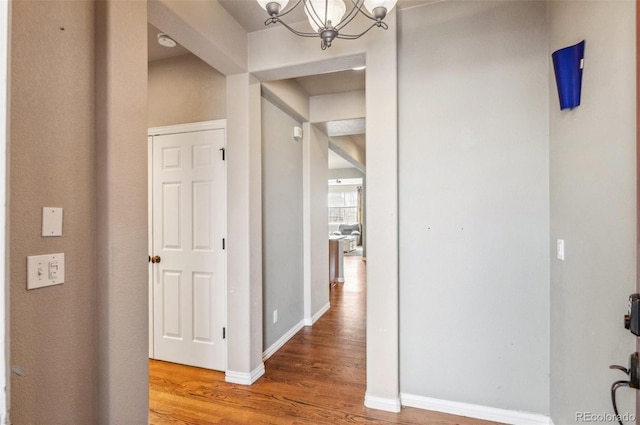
x=281, y=223
x=184, y=89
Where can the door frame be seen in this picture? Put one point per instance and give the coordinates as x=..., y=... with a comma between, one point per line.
x=220, y=124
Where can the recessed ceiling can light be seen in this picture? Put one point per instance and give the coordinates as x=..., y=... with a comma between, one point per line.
x=165, y=40
x=359, y=68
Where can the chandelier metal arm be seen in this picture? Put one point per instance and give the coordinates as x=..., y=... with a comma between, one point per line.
x=328, y=31
x=311, y=13
x=364, y=12
x=289, y=10
x=275, y=19
x=355, y=36
x=357, y=5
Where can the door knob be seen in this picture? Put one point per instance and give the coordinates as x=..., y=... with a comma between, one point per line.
x=156, y=259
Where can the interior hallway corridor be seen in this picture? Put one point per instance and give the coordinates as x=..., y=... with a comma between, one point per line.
x=318, y=377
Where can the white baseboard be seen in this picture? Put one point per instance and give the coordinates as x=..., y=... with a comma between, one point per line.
x=380, y=403
x=475, y=411
x=244, y=378
x=310, y=321
x=282, y=341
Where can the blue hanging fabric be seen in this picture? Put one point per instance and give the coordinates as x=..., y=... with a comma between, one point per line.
x=568, y=64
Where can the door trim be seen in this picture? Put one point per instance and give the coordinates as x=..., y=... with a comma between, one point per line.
x=188, y=127
x=220, y=124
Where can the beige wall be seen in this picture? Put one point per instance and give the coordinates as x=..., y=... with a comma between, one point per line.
x=184, y=89
x=77, y=141
x=53, y=330
x=121, y=212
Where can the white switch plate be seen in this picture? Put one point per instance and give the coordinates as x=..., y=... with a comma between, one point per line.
x=45, y=270
x=560, y=249
x=51, y=221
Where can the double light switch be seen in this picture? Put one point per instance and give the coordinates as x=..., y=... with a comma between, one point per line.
x=45, y=270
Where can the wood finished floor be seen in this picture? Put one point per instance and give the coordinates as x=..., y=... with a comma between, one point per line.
x=318, y=377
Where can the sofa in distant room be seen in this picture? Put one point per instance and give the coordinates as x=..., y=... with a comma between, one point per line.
x=350, y=230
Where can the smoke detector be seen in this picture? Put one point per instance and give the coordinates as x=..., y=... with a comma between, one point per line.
x=165, y=40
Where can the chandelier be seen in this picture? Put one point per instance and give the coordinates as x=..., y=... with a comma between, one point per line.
x=329, y=17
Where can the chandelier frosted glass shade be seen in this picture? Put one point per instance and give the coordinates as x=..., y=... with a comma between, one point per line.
x=328, y=18
x=324, y=13
x=281, y=4
x=372, y=5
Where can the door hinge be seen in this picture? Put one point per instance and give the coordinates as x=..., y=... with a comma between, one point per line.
x=223, y=150
x=223, y=243
x=224, y=333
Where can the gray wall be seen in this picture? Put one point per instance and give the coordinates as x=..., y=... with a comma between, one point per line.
x=318, y=246
x=281, y=223
x=185, y=89
x=593, y=208
x=474, y=203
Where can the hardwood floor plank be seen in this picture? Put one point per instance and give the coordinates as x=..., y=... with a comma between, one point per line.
x=317, y=378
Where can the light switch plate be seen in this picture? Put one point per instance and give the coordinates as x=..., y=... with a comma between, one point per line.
x=560, y=249
x=45, y=270
x=51, y=221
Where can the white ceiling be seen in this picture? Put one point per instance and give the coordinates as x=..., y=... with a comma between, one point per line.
x=336, y=161
x=335, y=82
x=252, y=17
x=156, y=51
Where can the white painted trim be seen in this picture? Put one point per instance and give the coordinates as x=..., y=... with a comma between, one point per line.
x=380, y=403
x=313, y=319
x=150, y=239
x=306, y=220
x=282, y=341
x=244, y=378
x=475, y=411
x=188, y=127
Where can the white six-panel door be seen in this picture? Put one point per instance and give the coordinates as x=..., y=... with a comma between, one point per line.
x=189, y=222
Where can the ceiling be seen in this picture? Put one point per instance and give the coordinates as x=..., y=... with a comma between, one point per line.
x=336, y=161
x=314, y=85
x=252, y=17
x=335, y=82
x=156, y=51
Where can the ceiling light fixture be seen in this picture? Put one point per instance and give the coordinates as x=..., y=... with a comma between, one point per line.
x=329, y=17
x=165, y=40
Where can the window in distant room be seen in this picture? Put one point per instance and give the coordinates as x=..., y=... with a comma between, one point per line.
x=343, y=207
x=343, y=201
